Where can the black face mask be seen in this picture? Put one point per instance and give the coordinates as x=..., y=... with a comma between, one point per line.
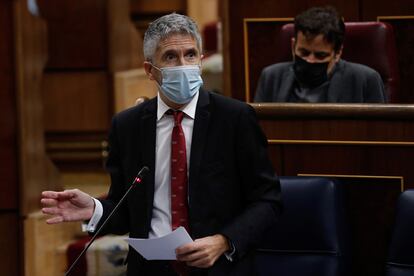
x=310, y=74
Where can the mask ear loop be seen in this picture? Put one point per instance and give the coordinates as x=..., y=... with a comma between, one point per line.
x=159, y=69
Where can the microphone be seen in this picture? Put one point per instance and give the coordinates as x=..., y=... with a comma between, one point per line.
x=138, y=179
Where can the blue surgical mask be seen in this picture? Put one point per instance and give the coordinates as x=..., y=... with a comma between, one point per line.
x=180, y=83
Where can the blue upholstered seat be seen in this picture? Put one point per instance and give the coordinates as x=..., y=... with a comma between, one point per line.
x=311, y=237
x=401, y=252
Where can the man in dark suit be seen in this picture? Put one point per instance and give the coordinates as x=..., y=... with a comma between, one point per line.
x=317, y=73
x=227, y=193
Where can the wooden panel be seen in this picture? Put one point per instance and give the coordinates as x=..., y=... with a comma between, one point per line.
x=144, y=12
x=9, y=243
x=131, y=85
x=255, y=44
x=404, y=36
x=157, y=6
x=124, y=40
x=76, y=33
x=371, y=9
x=203, y=12
x=233, y=30
x=42, y=245
x=276, y=157
x=369, y=147
x=78, y=151
x=36, y=172
x=89, y=41
x=8, y=122
x=349, y=160
x=371, y=222
x=77, y=101
x=338, y=130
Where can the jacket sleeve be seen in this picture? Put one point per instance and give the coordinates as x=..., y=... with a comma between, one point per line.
x=260, y=186
x=374, y=90
x=260, y=95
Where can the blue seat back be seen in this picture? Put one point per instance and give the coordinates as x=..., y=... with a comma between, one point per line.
x=401, y=252
x=310, y=239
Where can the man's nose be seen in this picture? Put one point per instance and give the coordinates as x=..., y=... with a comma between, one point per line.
x=182, y=61
x=311, y=58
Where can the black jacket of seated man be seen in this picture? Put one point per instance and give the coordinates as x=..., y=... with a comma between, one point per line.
x=347, y=83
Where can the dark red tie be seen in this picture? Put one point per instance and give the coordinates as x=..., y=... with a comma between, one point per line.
x=179, y=206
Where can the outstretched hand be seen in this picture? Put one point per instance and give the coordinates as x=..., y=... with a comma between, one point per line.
x=69, y=205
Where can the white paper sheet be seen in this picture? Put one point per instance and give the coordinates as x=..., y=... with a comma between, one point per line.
x=161, y=248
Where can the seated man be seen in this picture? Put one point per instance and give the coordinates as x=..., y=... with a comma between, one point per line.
x=317, y=73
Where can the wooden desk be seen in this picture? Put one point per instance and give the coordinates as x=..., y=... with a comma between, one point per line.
x=369, y=147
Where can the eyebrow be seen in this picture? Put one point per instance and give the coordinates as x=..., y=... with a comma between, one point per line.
x=175, y=52
x=303, y=49
x=191, y=50
x=320, y=53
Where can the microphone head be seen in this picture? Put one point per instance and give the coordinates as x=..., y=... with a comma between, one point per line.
x=142, y=173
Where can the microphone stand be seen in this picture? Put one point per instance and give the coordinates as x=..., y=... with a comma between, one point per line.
x=138, y=179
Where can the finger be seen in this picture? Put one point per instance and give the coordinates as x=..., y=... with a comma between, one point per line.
x=186, y=248
x=67, y=194
x=201, y=263
x=49, y=194
x=51, y=211
x=191, y=257
x=191, y=251
x=54, y=220
x=48, y=202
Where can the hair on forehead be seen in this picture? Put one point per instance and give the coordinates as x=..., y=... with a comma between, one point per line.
x=164, y=27
x=321, y=20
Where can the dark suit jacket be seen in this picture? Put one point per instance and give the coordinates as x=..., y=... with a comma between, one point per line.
x=349, y=83
x=232, y=186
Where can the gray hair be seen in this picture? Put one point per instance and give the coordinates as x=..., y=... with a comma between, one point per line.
x=165, y=26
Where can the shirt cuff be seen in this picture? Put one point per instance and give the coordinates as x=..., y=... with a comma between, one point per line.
x=230, y=253
x=96, y=217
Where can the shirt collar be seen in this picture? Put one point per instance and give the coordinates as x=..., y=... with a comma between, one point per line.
x=189, y=109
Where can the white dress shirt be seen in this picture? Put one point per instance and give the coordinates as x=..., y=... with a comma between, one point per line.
x=161, y=212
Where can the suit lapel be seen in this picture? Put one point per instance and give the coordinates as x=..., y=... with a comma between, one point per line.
x=201, y=122
x=148, y=135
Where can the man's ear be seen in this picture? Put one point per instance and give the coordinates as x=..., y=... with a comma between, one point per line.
x=148, y=70
x=201, y=59
x=339, y=53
